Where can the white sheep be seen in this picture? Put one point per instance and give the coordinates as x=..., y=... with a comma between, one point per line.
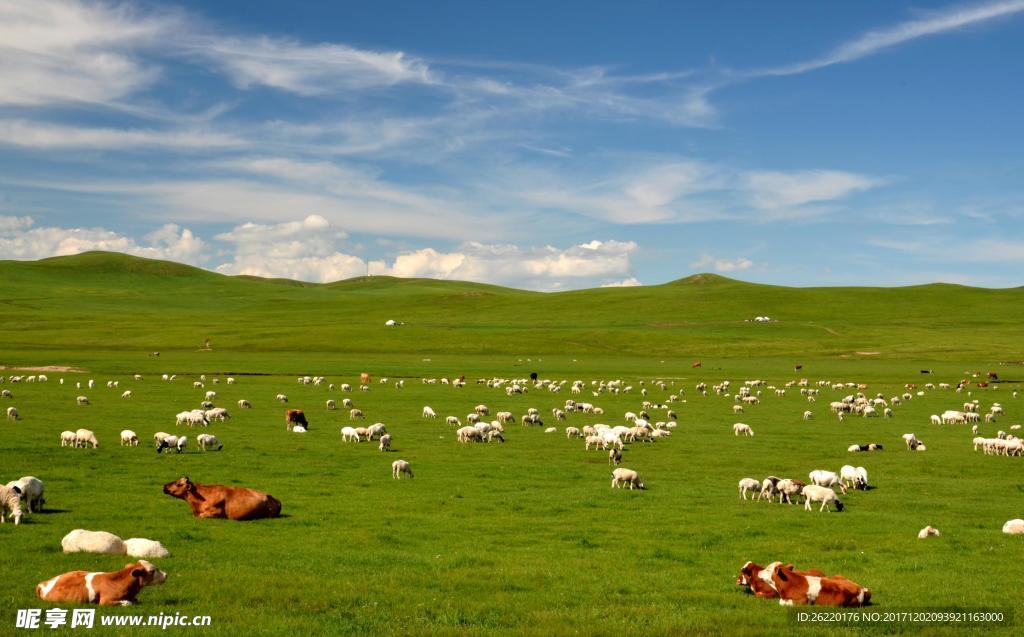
x=749, y=485
x=208, y=442
x=573, y=432
x=1014, y=527
x=428, y=412
x=67, y=439
x=823, y=478
x=141, y=547
x=740, y=428
x=623, y=476
x=31, y=489
x=129, y=438
x=808, y=415
x=453, y=421
x=10, y=500
x=331, y=405
x=815, y=493
x=83, y=541
x=355, y=413
x=349, y=434
x=281, y=398
x=127, y=394
x=400, y=468
x=244, y=404
x=82, y=400
x=376, y=430
x=385, y=442
x=928, y=531
x=12, y=413
x=85, y=437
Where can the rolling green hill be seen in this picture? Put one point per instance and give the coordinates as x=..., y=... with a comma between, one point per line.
x=106, y=301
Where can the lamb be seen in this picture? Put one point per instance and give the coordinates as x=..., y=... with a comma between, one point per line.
x=826, y=496
x=573, y=432
x=31, y=489
x=331, y=405
x=85, y=437
x=355, y=413
x=385, y=443
x=749, y=485
x=217, y=413
x=823, y=478
x=244, y=404
x=936, y=420
x=615, y=456
x=83, y=541
x=428, y=412
x=376, y=430
x=911, y=440
x=12, y=413
x=206, y=442
x=740, y=428
x=808, y=415
x=82, y=400
x=349, y=434
x=1014, y=527
x=127, y=394
x=141, y=547
x=623, y=476
x=400, y=468
x=10, y=500
x=129, y=438
x=928, y=531
x=67, y=439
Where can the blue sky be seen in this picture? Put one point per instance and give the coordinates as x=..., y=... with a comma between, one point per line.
x=538, y=146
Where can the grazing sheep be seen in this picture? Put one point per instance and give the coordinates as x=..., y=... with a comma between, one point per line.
x=281, y=398
x=740, y=428
x=31, y=489
x=129, y=438
x=573, y=432
x=12, y=413
x=823, y=478
x=749, y=485
x=400, y=468
x=331, y=405
x=355, y=413
x=453, y=421
x=376, y=430
x=349, y=434
x=244, y=404
x=67, y=439
x=815, y=493
x=83, y=541
x=787, y=489
x=483, y=410
x=10, y=500
x=207, y=442
x=385, y=442
x=1014, y=527
x=82, y=400
x=127, y=394
x=911, y=440
x=935, y=420
x=623, y=476
x=6, y=393
x=928, y=531
x=768, y=488
x=808, y=415
x=428, y=412
x=85, y=437
x=141, y=547
x=615, y=456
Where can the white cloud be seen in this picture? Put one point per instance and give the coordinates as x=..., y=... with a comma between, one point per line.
x=307, y=69
x=21, y=239
x=624, y=283
x=774, y=190
x=722, y=265
x=29, y=134
x=957, y=250
x=53, y=51
x=945, y=20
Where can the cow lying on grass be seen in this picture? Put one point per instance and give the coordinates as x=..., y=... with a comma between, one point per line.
x=219, y=501
x=793, y=587
x=118, y=587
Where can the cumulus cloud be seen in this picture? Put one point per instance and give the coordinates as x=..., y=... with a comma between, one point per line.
x=722, y=265
x=22, y=239
x=624, y=283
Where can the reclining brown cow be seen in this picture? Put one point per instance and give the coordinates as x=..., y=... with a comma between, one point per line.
x=219, y=501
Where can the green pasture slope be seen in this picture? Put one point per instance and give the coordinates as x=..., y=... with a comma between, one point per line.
x=524, y=538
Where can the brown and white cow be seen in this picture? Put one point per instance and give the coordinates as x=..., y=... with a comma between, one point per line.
x=294, y=417
x=219, y=501
x=118, y=587
x=750, y=576
x=795, y=588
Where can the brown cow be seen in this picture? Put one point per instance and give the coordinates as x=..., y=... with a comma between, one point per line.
x=219, y=501
x=118, y=587
x=750, y=576
x=696, y=364
x=364, y=378
x=295, y=417
x=796, y=588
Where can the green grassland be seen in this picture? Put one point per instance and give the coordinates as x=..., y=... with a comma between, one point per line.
x=521, y=538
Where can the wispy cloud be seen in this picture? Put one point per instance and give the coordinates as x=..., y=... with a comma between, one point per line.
x=933, y=23
x=30, y=134
x=772, y=190
x=722, y=265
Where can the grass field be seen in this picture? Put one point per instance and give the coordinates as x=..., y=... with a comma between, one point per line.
x=524, y=538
